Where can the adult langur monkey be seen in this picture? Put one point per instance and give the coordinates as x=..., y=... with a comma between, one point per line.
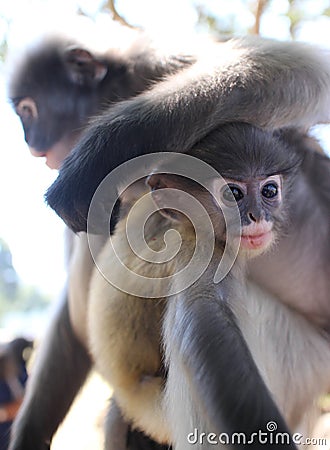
x=56, y=87
x=270, y=84
x=212, y=384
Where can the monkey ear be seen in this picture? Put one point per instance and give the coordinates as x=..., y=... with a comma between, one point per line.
x=160, y=181
x=83, y=67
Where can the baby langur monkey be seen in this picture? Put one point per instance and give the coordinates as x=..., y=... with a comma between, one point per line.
x=181, y=363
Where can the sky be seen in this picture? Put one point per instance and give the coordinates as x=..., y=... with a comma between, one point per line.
x=33, y=232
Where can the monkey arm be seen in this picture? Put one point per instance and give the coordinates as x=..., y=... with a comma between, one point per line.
x=211, y=370
x=60, y=370
x=263, y=82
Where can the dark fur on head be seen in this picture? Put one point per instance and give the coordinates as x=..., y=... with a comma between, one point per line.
x=247, y=151
x=63, y=78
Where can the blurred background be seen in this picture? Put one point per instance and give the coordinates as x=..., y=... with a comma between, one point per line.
x=32, y=269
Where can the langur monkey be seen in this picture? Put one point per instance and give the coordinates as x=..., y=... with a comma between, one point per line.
x=56, y=88
x=211, y=382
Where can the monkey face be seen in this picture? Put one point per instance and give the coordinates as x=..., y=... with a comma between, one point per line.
x=259, y=201
x=53, y=91
x=42, y=139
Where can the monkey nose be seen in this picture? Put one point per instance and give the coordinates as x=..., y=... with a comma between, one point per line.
x=252, y=217
x=256, y=215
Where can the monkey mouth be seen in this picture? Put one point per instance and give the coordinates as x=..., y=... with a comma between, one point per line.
x=256, y=241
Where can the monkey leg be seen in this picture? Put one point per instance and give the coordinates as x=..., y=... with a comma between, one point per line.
x=116, y=428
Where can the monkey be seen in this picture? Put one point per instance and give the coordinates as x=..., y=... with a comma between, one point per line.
x=80, y=83
x=125, y=332
x=274, y=346
x=251, y=75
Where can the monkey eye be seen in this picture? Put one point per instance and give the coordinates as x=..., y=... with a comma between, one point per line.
x=270, y=190
x=232, y=193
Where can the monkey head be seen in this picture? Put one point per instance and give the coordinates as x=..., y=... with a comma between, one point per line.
x=54, y=91
x=257, y=170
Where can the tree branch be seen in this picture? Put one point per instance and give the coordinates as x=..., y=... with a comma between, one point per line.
x=260, y=8
x=116, y=16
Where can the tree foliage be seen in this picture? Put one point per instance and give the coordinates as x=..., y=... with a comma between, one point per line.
x=298, y=13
